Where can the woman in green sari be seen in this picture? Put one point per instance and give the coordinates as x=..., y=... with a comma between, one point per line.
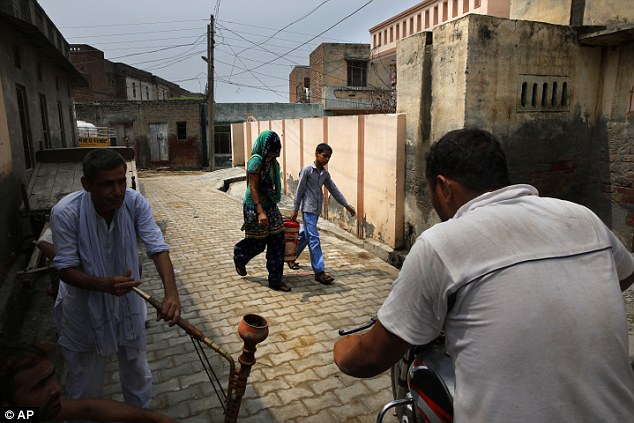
x=263, y=222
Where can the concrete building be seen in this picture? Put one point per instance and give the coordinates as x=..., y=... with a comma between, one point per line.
x=171, y=133
x=558, y=93
x=164, y=134
x=110, y=81
x=341, y=80
x=229, y=150
x=36, y=107
x=299, y=84
x=425, y=16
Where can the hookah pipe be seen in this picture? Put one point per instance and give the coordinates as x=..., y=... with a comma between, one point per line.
x=253, y=329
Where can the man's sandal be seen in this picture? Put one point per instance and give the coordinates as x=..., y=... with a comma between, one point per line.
x=293, y=265
x=324, y=278
x=280, y=287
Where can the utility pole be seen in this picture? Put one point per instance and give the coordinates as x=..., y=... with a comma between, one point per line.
x=210, y=96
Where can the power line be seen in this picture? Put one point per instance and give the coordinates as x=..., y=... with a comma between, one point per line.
x=288, y=25
x=131, y=24
x=323, y=32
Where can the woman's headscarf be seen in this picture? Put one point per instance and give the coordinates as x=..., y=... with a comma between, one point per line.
x=264, y=146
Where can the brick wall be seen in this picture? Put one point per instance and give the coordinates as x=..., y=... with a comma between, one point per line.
x=183, y=154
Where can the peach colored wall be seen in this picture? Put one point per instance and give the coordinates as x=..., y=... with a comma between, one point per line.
x=277, y=126
x=368, y=167
x=292, y=146
x=237, y=144
x=384, y=177
x=313, y=135
x=343, y=137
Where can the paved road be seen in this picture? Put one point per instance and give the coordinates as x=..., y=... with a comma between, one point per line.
x=294, y=378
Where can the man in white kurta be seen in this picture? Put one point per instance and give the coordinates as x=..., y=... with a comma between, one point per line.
x=96, y=314
x=537, y=331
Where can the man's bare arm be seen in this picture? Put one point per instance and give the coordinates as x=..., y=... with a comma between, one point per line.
x=369, y=354
x=115, y=285
x=171, y=303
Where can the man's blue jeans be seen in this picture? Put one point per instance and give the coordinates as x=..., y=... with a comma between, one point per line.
x=308, y=235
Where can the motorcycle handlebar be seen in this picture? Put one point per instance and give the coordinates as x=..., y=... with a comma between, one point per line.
x=344, y=332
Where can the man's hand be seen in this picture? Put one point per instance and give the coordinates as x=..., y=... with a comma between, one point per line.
x=171, y=310
x=351, y=210
x=120, y=285
x=294, y=216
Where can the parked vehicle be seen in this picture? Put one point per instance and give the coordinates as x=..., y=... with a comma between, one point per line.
x=423, y=383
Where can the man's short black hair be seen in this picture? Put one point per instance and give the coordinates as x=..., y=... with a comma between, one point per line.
x=16, y=356
x=102, y=159
x=472, y=157
x=323, y=147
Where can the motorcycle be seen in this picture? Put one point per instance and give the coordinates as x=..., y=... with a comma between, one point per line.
x=423, y=382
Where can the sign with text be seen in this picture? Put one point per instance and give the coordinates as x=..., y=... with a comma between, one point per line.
x=94, y=141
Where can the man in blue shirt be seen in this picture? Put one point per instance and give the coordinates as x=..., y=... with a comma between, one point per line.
x=310, y=196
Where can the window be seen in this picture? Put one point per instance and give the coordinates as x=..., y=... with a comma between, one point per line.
x=25, y=125
x=426, y=18
x=435, y=15
x=476, y=4
x=418, y=23
x=44, y=115
x=391, y=34
x=465, y=6
x=385, y=37
x=454, y=8
x=411, y=26
x=404, y=29
x=62, y=132
x=134, y=90
x=147, y=92
x=374, y=41
x=543, y=93
x=398, y=31
x=357, y=73
x=181, y=130
x=445, y=11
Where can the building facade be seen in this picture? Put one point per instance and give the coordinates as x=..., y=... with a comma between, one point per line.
x=299, y=84
x=342, y=80
x=557, y=93
x=110, y=81
x=36, y=104
x=164, y=134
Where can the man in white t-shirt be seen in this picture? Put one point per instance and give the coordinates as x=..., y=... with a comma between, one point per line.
x=538, y=329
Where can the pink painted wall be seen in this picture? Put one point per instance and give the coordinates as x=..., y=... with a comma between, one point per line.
x=367, y=165
x=343, y=137
x=237, y=144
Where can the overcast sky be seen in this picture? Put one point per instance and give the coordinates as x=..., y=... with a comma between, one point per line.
x=257, y=42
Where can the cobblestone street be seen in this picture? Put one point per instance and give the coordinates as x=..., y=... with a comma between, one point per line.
x=295, y=378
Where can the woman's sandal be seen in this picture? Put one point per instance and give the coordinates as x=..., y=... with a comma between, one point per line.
x=324, y=278
x=293, y=265
x=241, y=269
x=280, y=287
